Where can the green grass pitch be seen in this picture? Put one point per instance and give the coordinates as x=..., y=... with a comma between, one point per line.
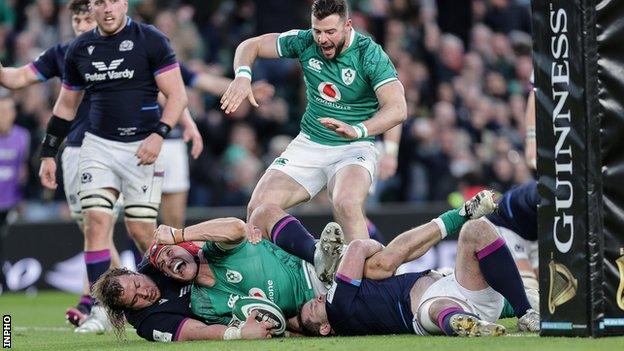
x=37, y=324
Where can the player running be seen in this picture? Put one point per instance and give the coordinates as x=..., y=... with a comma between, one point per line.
x=353, y=95
x=122, y=64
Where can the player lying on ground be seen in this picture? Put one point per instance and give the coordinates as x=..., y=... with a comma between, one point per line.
x=158, y=307
x=465, y=303
x=227, y=267
x=226, y=270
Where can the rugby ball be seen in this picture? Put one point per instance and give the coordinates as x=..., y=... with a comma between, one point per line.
x=267, y=311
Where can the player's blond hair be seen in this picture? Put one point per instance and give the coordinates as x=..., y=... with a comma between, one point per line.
x=107, y=290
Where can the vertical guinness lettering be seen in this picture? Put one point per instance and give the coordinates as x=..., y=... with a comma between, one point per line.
x=563, y=224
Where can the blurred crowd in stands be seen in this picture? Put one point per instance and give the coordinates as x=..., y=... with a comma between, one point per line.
x=465, y=65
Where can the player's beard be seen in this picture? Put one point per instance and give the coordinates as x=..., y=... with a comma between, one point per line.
x=337, y=48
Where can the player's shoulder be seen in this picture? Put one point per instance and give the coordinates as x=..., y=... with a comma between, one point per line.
x=304, y=35
x=365, y=44
x=82, y=40
x=148, y=31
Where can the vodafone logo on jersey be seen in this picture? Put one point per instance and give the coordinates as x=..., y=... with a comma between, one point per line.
x=329, y=91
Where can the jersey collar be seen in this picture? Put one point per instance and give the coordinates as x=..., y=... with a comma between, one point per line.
x=351, y=40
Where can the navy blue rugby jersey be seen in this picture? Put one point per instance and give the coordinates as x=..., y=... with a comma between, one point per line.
x=119, y=72
x=517, y=210
x=371, y=307
x=50, y=64
x=163, y=320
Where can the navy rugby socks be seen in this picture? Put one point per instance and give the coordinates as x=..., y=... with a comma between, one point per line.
x=97, y=262
x=289, y=234
x=495, y=263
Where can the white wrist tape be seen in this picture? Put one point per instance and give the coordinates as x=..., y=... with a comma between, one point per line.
x=361, y=130
x=232, y=333
x=243, y=71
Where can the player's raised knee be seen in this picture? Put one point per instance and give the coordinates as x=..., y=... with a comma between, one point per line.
x=265, y=212
x=475, y=230
x=348, y=205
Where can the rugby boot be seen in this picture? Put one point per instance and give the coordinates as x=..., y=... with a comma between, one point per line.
x=328, y=252
x=471, y=326
x=97, y=322
x=479, y=205
x=530, y=322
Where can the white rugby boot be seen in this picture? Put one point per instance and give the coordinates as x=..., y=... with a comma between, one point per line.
x=530, y=322
x=328, y=252
x=97, y=322
x=479, y=205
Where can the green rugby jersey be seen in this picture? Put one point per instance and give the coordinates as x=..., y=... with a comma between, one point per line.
x=343, y=87
x=262, y=270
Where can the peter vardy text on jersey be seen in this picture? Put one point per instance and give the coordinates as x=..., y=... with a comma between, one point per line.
x=111, y=75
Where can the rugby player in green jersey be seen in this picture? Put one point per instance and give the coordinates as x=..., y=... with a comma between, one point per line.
x=353, y=94
x=227, y=267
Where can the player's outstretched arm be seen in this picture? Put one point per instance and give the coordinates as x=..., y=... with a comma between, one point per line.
x=352, y=264
x=228, y=230
x=217, y=85
x=196, y=330
x=264, y=46
x=17, y=77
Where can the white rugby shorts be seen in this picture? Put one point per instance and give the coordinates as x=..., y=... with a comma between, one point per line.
x=112, y=164
x=487, y=304
x=313, y=165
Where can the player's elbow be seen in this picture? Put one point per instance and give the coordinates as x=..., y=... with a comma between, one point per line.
x=401, y=110
x=239, y=228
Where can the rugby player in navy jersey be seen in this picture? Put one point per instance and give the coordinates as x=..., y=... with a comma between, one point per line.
x=122, y=64
x=466, y=303
x=159, y=308
x=48, y=65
